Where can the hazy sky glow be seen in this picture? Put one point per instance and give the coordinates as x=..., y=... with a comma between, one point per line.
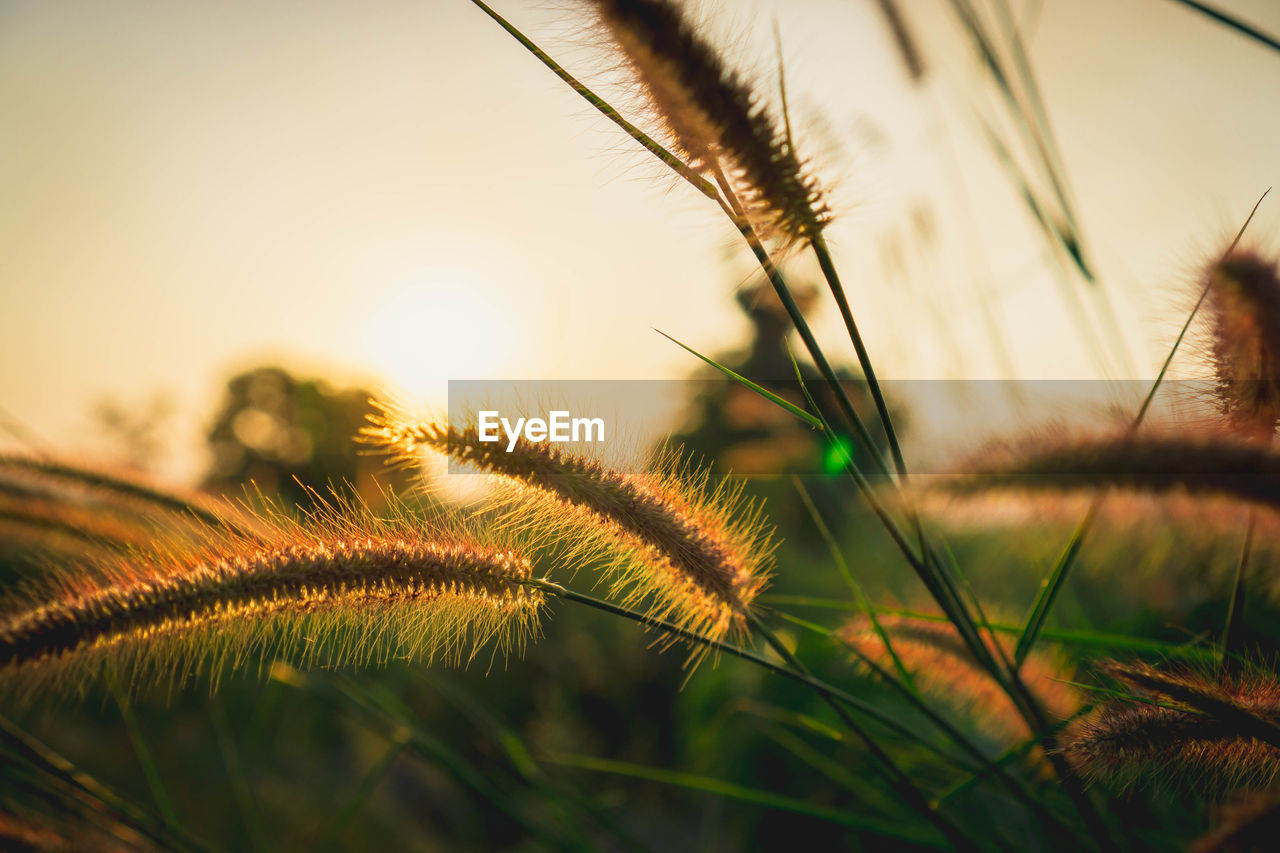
x=396, y=193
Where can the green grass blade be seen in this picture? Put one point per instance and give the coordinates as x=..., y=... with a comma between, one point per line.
x=381, y=712
x=1082, y=639
x=823, y=254
x=1057, y=576
x=800, y=413
x=899, y=830
x=864, y=603
x=833, y=770
x=235, y=775
x=70, y=780
x=569, y=802
x=1052, y=585
x=335, y=829
x=1235, y=610
x=154, y=781
x=985, y=764
x=1232, y=22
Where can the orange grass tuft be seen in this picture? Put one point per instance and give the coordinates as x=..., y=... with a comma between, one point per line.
x=940, y=663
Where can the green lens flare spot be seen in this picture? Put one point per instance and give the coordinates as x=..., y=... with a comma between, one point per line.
x=838, y=455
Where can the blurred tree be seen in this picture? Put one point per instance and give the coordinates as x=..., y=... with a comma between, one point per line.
x=285, y=434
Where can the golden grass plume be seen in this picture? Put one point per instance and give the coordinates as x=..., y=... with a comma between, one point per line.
x=1243, y=301
x=715, y=118
x=120, y=491
x=1193, y=729
x=1156, y=463
x=339, y=587
x=671, y=540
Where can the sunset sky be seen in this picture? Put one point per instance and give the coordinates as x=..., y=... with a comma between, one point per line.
x=397, y=194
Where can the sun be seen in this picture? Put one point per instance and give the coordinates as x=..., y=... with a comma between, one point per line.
x=428, y=327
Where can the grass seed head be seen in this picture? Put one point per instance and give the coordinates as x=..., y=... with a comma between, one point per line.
x=1170, y=740
x=686, y=549
x=714, y=117
x=1208, y=464
x=1243, y=298
x=343, y=586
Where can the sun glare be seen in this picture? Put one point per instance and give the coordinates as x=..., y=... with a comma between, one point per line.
x=428, y=328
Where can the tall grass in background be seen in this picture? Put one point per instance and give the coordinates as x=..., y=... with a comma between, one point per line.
x=968, y=728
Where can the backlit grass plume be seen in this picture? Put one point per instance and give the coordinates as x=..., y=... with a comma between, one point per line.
x=115, y=489
x=1197, y=464
x=1184, y=727
x=714, y=117
x=689, y=550
x=341, y=587
x=63, y=526
x=933, y=653
x=1243, y=299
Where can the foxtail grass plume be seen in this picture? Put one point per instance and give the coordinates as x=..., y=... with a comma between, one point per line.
x=1204, y=464
x=713, y=116
x=62, y=526
x=342, y=587
x=688, y=550
x=1186, y=728
x=937, y=659
x=1243, y=299
x=119, y=493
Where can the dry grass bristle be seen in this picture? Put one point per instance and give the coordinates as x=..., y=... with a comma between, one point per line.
x=941, y=664
x=1243, y=302
x=714, y=117
x=340, y=587
x=1171, y=739
x=670, y=540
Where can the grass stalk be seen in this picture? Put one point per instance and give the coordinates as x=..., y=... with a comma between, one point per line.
x=820, y=250
x=716, y=645
x=1053, y=583
x=154, y=781
x=1233, y=22
x=235, y=775
x=754, y=796
x=986, y=765
x=860, y=599
x=670, y=160
x=900, y=780
x=337, y=827
x=1231, y=644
